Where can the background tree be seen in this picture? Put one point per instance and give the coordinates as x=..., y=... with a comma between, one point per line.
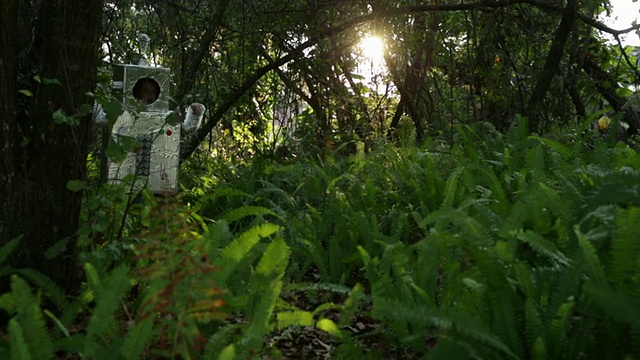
x=250, y=61
x=48, y=66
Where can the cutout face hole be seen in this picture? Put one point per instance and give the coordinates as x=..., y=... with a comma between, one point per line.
x=146, y=90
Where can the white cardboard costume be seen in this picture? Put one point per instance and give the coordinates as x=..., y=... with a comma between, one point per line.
x=154, y=162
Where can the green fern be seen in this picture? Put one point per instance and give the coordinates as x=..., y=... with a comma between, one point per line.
x=108, y=295
x=294, y=318
x=265, y=290
x=19, y=346
x=31, y=321
x=592, y=263
x=5, y=250
x=565, y=152
x=622, y=269
x=619, y=306
x=246, y=211
x=451, y=187
x=505, y=308
x=233, y=253
x=534, y=330
x=450, y=324
x=137, y=339
x=560, y=326
x=219, y=341
x=543, y=247
x=50, y=289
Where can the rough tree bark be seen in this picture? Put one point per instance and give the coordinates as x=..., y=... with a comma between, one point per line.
x=40, y=156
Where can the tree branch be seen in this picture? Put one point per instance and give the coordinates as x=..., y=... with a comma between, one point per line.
x=200, y=135
x=552, y=63
x=378, y=13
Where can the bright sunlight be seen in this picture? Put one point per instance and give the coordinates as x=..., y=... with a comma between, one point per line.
x=371, y=62
x=372, y=48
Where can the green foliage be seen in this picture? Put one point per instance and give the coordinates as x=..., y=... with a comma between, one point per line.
x=515, y=247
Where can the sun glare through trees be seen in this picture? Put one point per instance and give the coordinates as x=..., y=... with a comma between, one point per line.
x=371, y=63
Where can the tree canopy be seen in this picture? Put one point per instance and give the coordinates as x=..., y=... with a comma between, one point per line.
x=401, y=179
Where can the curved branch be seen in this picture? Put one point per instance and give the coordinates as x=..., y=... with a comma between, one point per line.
x=194, y=141
x=378, y=13
x=551, y=64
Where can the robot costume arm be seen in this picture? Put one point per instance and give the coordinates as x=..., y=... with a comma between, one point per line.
x=193, y=119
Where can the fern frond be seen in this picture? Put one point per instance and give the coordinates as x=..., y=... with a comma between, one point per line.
x=18, y=343
x=30, y=319
x=505, y=318
x=60, y=326
x=555, y=202
x=76, y=344
x=333, y=288
x=451, y=187
x=381, y=285
x=517, y=216
x=591, y=260
x=50, y=289
x=499, y=194
x=450, y=324
x=218, y=342
x=621, y=307
x=534, y=329
x=8, y=302
x=107, y=301
x=7, y=248
x=228, y=353
x=623, y=262
x=246, y=211
x=563, y=284
x=542, y=246
x=219, y=235
x=351, y=304
x=294, y=318
x=558, y=147
x=137, y=339
x=239, y=248
x=266, y=288
x=559, y=328
x=222, y=191
x=539, y=350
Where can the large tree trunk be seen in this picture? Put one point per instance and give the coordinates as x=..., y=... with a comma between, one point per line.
x=40, y=156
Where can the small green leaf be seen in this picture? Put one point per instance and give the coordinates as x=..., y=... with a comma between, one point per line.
x=85, y=109
x=329, y=326
x=26, y=92
x=228, y=353
x=291, y=318
x=113, y=109
x=59, y=117
x=76, y=185
x=173, y=118
x=48, y=81
x=115, y=151
x=623, y=92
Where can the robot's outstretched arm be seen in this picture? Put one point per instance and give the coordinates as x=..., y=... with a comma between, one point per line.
x=193, y=120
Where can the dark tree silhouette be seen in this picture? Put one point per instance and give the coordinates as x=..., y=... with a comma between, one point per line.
x=48, y=64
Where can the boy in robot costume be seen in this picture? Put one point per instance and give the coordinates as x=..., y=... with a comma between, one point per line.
x=154, y=163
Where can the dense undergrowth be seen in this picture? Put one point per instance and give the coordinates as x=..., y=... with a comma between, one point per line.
x=496, y=247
